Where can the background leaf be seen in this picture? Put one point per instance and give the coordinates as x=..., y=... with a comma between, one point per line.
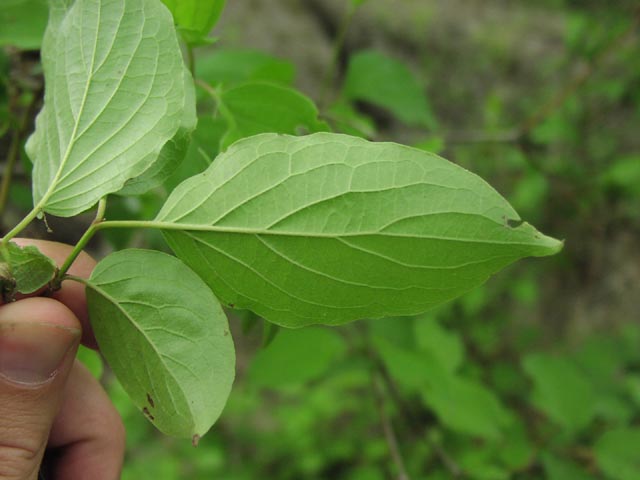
x=255, y=108
x=465, y=406
x=329, y=228
x=561, y=390
x=296, y=356
x=617, y=453
x=386, y=82
x=115, y=95
x=195, y=18
x=559, y=469
x=166, y=338
x=233, y=66
x=22, y=23
x=446, y=347
x=91, y=360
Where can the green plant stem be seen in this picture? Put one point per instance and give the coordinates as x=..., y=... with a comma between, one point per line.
x=220, y=106
x=81, y=280
x=21, y=226
x=102, y=205
x=338, y=46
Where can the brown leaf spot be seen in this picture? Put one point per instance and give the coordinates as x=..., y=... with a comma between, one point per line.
x=150, y=400
x=145, y=410
x=195, y=440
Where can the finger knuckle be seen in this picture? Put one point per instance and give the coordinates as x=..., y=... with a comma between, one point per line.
x=18, y=461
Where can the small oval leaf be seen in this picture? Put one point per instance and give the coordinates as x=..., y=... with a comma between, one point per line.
x=166, y=338
x=329, y=228
x=28, y=268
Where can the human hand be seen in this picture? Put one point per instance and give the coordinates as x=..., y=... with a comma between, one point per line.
x=48, y=400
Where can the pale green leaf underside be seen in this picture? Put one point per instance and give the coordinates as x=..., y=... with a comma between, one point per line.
x=329, y=228
x=173, y=152
x=166, y=338
x=115, y=94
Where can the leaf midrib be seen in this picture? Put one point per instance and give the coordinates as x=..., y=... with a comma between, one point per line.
x=284, y=233
x=67, y=154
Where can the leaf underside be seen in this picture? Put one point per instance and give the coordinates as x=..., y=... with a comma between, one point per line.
x=166, y=338
x=329, y=228
x=115, y=95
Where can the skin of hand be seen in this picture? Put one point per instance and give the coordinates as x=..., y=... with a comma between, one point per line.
x=48, y=400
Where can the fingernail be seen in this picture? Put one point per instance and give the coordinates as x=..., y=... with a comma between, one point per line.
x=32, y=353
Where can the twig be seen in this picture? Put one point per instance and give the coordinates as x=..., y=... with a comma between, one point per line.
x=449, y=463
x=411, y=419
x=387, y=429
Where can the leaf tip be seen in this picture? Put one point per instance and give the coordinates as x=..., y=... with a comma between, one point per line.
x=195, y=440
x=542, y=244
x=549, y=245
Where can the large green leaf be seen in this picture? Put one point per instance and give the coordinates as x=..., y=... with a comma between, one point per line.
x=195, y=18
x=115, y=95
x=388, y=83
x=166, y=338
x=254, y=108
x=22, y=23
x=329, y=228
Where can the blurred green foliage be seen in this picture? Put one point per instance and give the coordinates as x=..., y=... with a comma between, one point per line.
x=485, y=388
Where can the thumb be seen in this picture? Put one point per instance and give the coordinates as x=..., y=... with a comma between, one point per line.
x=39, y=338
